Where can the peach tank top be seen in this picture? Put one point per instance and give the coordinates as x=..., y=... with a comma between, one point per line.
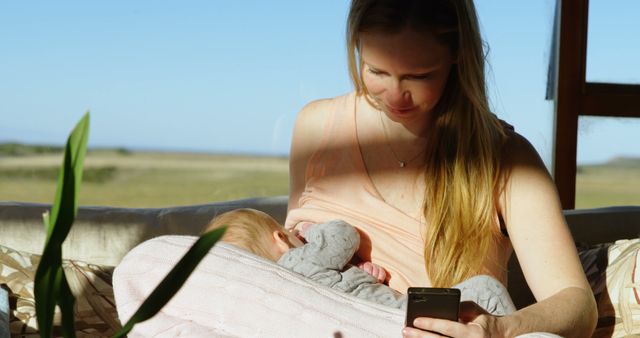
x=338, y=187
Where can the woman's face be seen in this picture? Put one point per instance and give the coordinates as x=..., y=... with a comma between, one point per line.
x=405, y=73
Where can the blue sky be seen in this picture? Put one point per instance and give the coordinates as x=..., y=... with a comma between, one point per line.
x=230, y=76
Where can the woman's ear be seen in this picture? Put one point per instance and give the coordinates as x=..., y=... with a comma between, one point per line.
x=281, y=241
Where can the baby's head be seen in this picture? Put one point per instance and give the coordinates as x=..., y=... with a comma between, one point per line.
x=256, y=232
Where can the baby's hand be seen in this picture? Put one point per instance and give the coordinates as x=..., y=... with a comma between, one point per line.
x=374, y=270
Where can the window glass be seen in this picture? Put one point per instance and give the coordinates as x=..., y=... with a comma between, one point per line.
x=613, y=51
x=212, y=77
x=200, y=96
x=518, y=62
x=608, y=159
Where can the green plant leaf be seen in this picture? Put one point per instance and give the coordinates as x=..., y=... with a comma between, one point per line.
x=66, y=302
x=64, y=207
x=50, y=284
x=174, y=280
x=51, y=287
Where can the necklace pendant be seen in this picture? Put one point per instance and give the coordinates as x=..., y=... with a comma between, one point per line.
x=402, y=164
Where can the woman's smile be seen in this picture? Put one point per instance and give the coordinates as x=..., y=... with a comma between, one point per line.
x=399, y=112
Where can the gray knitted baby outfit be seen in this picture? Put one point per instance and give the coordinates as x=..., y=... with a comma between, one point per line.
x=329, y=248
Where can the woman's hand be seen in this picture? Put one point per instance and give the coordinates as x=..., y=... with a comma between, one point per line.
x=474, y=322
x=431, y=327
x=374, y=270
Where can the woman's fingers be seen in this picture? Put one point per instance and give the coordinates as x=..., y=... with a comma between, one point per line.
x=440, y=327
x=409, y=332
x=432, y=327
x=469, y=311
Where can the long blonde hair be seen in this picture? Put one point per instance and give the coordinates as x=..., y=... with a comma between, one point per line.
x=248, y=229
x=463, y=169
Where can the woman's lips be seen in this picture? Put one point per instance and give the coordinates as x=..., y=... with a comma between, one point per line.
x=399, y=111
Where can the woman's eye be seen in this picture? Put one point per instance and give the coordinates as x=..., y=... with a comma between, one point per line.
x=420, y=76
x=375, y=72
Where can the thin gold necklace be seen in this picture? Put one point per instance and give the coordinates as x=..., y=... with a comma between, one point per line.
x=401, y=163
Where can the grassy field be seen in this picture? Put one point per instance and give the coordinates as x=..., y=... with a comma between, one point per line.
x=126, y=179
x=616, y=182
x=153, y=179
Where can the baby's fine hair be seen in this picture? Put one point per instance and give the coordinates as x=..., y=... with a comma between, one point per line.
x=248, y=229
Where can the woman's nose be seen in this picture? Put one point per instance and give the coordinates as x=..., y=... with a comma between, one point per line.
x=398, y=97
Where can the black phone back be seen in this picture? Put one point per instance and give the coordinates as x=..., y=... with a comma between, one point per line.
x=432, y=302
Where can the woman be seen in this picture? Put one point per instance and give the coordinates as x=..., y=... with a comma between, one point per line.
x=440, y=189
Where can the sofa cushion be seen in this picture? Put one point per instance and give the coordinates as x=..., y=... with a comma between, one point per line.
x=4, y=313
x=612, y=271
x=95, y=312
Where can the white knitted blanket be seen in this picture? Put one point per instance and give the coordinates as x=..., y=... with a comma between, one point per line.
x=233, y=293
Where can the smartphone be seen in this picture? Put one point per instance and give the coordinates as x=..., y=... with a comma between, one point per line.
x=440, y=303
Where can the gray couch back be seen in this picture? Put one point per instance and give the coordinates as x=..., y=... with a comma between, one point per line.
x=103, y=235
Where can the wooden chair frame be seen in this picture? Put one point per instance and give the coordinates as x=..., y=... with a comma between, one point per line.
x=576, y=97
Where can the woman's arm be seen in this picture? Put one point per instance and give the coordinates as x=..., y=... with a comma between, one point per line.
x=307, y=134
x=545, y=249
x=546, y=252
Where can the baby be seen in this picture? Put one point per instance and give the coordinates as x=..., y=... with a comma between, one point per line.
x=325, y=258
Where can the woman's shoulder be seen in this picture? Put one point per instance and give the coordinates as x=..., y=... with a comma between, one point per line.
x=315, y=115
x=321, y=108
x=311, y=129
x=523, y=169
x=518, y=150
x=527, y=186
x=314, y=111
